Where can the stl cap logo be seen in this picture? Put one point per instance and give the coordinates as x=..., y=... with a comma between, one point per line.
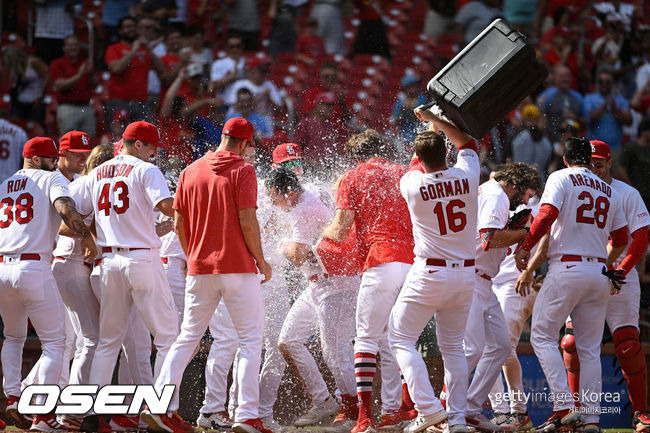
x=593, y=147
x=84, y=140
x=291, y=150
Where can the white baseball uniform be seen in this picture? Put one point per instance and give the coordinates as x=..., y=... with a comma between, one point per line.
x=487, y=343
x=589, y=210
x=443, y=206
x=12, y=139
x=123, y=193
x=623, y=309
x=516, y=310
x=175, y=265
x=28, y=226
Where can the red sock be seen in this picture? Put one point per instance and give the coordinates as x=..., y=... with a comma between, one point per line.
x=407, y=403
x=443, y=396
x=571, y=362
x=365, y=366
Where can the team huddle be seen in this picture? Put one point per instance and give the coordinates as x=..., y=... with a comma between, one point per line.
x=383, y=251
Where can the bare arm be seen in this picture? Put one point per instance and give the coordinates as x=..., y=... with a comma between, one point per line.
x=613, y=253
x=118, y=66
x=63, y=84
x=297, y=253
x=179, y=228
x=168, y=101
x=457, y=137
x=340, y=227
x=525, y=279
x=164, y=227
x=166, y=206
x=251, y=231
x=65, y=207
x=504, y=238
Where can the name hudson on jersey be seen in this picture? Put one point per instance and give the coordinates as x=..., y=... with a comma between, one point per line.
x=598, y=185
x=78, y=399
x=444, y=189
x=106, y=171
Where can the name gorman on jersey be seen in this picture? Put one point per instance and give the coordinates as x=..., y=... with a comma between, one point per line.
x=598, y=185
x=444, y=189
x=106, y=171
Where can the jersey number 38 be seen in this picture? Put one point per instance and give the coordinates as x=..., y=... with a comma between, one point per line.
x=23, y=213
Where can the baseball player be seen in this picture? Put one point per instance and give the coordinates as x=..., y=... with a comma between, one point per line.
x=124, y=194
x=323, y=304
x=12, y=139
x=487, y=343
x=216, y=224
x=32, y=202
x=507, y=285
x=582, y=212
x=368, y=197
x=622, y=314
x=443, y=205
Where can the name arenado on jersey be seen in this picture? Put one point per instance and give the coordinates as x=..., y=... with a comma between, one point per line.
x=106, y=171
x=444, y=189
x=598, y=185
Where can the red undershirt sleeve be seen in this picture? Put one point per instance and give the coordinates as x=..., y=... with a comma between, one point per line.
x=541, y=225
x=636, y=250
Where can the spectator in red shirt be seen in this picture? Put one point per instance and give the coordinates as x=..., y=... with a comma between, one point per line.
x=329, y=77
x=310, y=47
x=176, y=58
x=217, y=227
x=73, y=82
x=368, y=196
x=129, y=62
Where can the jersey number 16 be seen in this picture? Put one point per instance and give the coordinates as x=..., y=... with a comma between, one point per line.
x=456, y=221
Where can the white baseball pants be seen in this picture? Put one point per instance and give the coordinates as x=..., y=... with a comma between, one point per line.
x=333, y=317
x=516, y=310
x=578, y=289
x=427, y=293
x=28, y=290
x=127, y=279
x=379, y=288
x=135, y=358
x=73, y=279
x=487, y=344
x=176, y=270
x=243, y=297
x=623, y=308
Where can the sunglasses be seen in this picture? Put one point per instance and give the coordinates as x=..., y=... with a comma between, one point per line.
x=294, y=163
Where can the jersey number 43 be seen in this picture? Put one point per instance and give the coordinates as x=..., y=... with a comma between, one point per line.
x=120, y=198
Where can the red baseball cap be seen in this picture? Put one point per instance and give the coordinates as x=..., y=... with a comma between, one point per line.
x=286, y=152
x=117, y=147
x=258, y=61
x=238, y=127
x=121, y=115
x=143, y=131
x=41, y=146
x=75, y=141
x=600, y=149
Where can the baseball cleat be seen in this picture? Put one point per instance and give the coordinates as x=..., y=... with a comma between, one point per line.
x=218, y=421
x=641, y=422
x=481, y=423
x=522, y=421
x=364, y=425
x=589, y=428
x=170, y=423
x=46, y=423
x=504, y=421
x=23, y=422
x=124, y=423
x=396, y=419
x=271, y=424
x=70, y=422
x=559, y=419
x=250, y=426
x=344, y=420
x=457, y=428
x=422, y=422
x=317, y=413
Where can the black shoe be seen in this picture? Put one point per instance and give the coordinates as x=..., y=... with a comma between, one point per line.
x=90, y=423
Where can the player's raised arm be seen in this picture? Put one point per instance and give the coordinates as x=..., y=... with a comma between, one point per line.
x=457, y=137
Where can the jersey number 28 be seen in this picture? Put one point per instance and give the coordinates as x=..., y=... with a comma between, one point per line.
x=24, y=211
x=599, y=207
x=121, y=198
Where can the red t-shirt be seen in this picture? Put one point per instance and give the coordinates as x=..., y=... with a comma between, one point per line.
x=130, y=85
x=340, y=258
x=311, y=46
x=210, y=194
x=309, y=99
x=81, y=92
x=381, y=216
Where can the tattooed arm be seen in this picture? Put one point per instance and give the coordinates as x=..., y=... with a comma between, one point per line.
x=65, y=207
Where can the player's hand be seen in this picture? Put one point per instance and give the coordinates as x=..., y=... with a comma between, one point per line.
x=521, y=259
x=265, y=269
x=616, y=279
x=524, y=281
x=538, y=281
x=425, y=115
x=89, y=249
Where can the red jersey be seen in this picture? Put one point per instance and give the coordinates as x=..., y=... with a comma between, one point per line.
x=381, y=215
x=340, y=258
x=130, y=85
x=81, y=92
x=210, y=194
x=311, y=46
